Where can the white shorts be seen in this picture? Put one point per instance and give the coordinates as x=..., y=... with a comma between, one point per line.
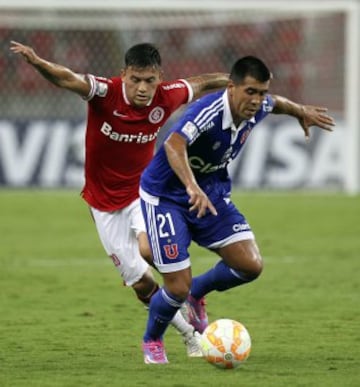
x=118, y=232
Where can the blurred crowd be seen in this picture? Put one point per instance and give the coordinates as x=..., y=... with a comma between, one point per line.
x=300, y=58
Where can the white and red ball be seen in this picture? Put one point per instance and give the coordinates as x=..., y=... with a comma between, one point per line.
x=226, y=343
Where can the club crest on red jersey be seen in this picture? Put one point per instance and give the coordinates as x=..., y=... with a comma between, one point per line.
x=156, y=115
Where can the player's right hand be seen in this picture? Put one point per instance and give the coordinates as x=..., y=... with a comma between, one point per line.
x=199, y=201
x=27, y=52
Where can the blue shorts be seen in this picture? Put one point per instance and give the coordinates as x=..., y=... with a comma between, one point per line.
x=171, y=228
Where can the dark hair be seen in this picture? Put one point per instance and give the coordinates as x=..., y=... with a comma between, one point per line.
x=143, y=55
x=249, y=66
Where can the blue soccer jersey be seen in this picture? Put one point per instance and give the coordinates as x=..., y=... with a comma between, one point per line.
x=213, y=141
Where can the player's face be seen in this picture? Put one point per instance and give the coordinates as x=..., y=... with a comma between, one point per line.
x=141, y=84
x=246, y=98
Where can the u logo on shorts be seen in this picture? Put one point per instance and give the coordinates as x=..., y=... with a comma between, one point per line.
x=171, y=251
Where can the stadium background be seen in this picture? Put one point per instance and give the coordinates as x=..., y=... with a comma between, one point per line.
x=66, y=319
x=42, y=127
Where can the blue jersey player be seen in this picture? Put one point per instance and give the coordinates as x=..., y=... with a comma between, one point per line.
x=185, y=196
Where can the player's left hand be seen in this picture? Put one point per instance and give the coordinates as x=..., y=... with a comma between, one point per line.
x=315, y=116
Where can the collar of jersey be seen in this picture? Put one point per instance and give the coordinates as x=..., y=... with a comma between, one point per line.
x=227, y=120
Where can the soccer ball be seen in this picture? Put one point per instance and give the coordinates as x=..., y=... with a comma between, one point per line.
x=225, y=343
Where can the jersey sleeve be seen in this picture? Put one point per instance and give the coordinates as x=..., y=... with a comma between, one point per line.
x=177, y=93
x=189, y=131
x=268, y=104
x=99, y=87
x=190, y=90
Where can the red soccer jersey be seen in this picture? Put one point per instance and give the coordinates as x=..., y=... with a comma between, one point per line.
x=120, y=139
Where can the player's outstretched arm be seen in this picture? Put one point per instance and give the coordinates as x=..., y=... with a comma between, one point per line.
x=307, y=115
x=205, y=83
x=176, y=151
x=58, y=75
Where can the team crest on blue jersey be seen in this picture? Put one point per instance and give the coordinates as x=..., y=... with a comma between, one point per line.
x=216, y=145
x=245, y=135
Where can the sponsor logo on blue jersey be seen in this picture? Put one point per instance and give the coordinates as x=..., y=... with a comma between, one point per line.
x=199, y=165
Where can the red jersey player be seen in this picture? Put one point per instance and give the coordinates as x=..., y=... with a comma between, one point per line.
x=125, y=114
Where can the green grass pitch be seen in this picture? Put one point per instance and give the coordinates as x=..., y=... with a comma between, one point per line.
x=66, y=319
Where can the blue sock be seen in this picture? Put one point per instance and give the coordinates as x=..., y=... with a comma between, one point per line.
x=221, y=277
x=163, y=307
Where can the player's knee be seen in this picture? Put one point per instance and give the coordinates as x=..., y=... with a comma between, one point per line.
x=180, y=291
x=145, y=284
x=251, y=268
x=146, y=287
x=255, y=267
x=178, y=284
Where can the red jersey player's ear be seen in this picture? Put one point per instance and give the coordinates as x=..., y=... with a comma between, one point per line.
x=161, y=75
